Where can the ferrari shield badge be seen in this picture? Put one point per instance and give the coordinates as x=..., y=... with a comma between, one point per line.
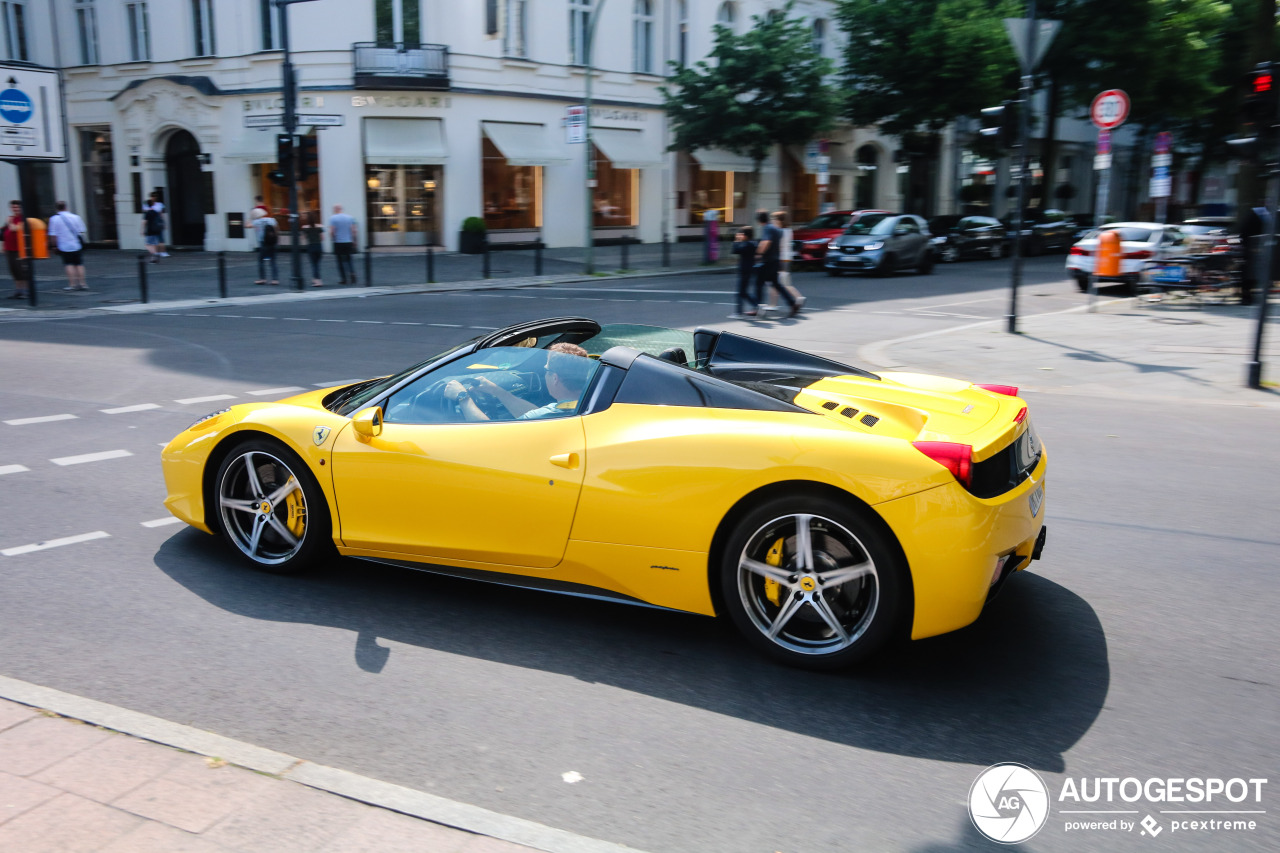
x=319, y=434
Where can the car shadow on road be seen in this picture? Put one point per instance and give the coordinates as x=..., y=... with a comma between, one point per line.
x=1022, y=684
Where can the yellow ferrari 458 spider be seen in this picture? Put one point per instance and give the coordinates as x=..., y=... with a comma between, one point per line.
x=824, y=508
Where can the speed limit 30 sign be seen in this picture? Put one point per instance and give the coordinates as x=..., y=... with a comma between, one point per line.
x=1109, y=109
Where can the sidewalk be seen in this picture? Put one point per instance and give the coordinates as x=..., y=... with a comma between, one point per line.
x=1171, y=349
x=68, y=786
x=115, y=277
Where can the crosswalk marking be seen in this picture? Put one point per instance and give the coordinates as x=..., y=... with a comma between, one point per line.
x=161, y=522
x=13, y=469
x=121, y=410
x=55, y=543
x=41, y=420
x=212, y=398
x=90, y=457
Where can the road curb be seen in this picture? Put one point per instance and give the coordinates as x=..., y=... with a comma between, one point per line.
x=343, y=783
x=288, y=296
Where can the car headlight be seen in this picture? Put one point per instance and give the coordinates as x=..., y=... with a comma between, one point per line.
x=208, y=417
x=871, y=247
x=815, y=243
x=835, y=246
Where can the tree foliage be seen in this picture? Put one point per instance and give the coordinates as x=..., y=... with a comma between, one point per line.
x=920, y=64
x=765, y=87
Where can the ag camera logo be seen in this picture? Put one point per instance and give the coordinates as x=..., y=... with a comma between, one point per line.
x=15, y=106
x=1009, y=803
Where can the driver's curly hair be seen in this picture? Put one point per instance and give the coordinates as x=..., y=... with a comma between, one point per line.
x=571, y=363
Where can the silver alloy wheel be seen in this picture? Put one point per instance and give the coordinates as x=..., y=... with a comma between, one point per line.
x=997, y=251
x=950, y=254
x=263, y=507
x=808, y=584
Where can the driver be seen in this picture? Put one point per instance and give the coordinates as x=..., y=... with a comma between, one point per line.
x=567, y=371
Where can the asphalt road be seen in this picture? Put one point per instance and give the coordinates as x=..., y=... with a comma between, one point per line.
x=1137, y=647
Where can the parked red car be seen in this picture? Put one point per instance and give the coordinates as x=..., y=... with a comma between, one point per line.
x=809, y=241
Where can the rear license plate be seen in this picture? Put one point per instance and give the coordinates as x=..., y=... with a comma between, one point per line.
x=1037, y=499
x=1170, y=275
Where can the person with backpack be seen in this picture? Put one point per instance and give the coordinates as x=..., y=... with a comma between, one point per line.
x=66, y=231
x=267, y=230
x=745, y=248
x=153, y=227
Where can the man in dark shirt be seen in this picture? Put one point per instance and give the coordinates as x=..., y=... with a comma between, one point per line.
x=768, y=252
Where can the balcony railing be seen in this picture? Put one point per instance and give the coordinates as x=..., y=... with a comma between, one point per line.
x=395, y=65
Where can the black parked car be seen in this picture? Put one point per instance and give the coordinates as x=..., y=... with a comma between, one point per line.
x=957, y=237
x=1043, y=230
x=881, y=243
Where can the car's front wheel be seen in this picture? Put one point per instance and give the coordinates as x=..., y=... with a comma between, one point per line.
x=949, y=254
x=811, y=583
x=925, y=265
x=996, y=251
x=270, y=507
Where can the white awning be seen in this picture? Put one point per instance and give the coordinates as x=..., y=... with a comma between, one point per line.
x=626, y=149
x=718, y=160
x=404, y=141
x=524, y=144
x=255, y=146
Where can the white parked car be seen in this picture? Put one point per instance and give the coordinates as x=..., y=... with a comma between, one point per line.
x=1141, y=243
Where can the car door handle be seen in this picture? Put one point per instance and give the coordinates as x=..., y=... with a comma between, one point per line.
x=565, y=460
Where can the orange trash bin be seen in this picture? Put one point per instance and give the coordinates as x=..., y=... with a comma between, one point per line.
x=39, y=239
x=1108, y=255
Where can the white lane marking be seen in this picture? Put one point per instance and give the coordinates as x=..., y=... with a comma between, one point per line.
x=263, y=392
x=513, y=296
x=447, y=325
x=298, y=319
x=90, y=457
x=339, y=382
x=161, y=522
x=122, y=410
x=483, y=328
x=262, y=318
x=965, y=302
x=693, y=302
x=635, y=290
x=55, y=543
x=402, y=323
x=572, y=777
x=331, y=321
x=237, y=316
x=168, y=314
x=370, y=322
x=13, y=469
x=42, y=420
x=212, y=398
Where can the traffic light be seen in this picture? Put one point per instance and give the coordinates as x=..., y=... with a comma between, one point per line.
x=308, y=157
x=1002, y=124
x=284, y=159
x=1258, y=112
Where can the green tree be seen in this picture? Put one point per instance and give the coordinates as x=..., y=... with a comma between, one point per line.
x=765, y=87
x=921, y=64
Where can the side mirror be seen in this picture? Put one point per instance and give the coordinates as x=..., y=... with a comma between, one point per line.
x=368, y=422
x=900, y=230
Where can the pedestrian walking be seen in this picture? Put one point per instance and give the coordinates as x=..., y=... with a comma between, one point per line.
x=313, y=233
x=267, y=230
x=66, y=231
x=785, y=248
x=343, y=231
x=14, y=228
x=153, y=227
x=769, y=255
x=745, y=248
x=260, y=209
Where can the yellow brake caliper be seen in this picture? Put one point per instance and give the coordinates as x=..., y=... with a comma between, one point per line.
x=297, y=519
x=772, y=588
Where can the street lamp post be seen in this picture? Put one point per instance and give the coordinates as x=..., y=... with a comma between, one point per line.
x=1025, y=92
x=589, y=230
x=290, y=86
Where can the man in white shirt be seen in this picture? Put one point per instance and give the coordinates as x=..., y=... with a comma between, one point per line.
x=67, y=230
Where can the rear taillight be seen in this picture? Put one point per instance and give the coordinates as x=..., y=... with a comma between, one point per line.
x=1009, y=390
x=956, y=458
x=1021, y=416
x=1076, y=250
x=1140, y=255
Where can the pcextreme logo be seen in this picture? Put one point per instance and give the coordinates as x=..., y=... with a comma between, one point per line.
x=1009, y=803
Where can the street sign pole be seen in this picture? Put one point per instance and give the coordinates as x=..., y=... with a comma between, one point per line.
x=1267, y=147
x=290, y=83
x=1024, y=167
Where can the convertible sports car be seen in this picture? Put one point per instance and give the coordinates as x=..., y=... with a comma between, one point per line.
x=824, y=509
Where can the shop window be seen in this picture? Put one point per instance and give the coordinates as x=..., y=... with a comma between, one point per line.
x=712, y=191
x=276, y=197
x=801, y=189
x=511, y=193
x=614, y=194
x=403, y=204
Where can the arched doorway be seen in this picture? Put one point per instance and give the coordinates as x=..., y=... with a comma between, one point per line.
x=186, y=202
x=864, y=186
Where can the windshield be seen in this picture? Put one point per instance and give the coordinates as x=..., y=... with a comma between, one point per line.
x=883, y=228
x=828, y=221
x=353, y=398
x=1133, y=235
x=866, y=223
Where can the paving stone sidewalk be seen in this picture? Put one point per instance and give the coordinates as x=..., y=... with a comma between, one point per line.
x=67, y=786
x=1172, y=349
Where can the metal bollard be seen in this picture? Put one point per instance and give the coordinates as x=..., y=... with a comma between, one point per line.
x=485, y=253
x=537, y=257
x=666, y=252
x=625, y=242
x=142, y=278
x=222, y=275
x=32, y=297
x=431, y=263
x=368, y=268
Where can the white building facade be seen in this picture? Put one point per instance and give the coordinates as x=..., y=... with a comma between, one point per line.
x=436, y=112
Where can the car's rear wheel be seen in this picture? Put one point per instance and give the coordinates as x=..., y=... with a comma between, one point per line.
x=996, y=251
x=270, y=507
x=949, y=254
x=811, y=583
x=925, y=266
